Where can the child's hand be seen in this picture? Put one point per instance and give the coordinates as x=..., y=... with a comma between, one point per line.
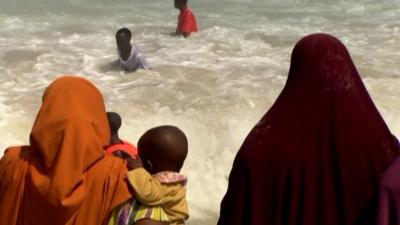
x=134, y=163
x=121, y=154
x=131, y=162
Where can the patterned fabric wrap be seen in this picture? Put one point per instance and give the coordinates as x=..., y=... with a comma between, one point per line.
x=132, y=211
x=168, y=177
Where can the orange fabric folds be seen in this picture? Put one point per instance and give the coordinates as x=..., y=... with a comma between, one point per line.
x=63, y=177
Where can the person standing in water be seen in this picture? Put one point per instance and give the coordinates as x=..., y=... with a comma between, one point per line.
x=186, y=20
x=130, y=56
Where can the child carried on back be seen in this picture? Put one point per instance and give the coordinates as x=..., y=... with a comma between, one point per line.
x=160, y=190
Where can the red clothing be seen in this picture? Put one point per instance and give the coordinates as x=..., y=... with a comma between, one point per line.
x=124, y=146
x=317, y=155
x=186, y=22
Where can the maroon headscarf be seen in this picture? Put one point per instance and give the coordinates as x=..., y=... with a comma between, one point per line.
x=317, y=156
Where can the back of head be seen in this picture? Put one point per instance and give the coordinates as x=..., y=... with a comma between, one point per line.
x=180, y=3
x=123, y=36
x=166, y=147
x=72, y=107
x=114, y=120
x=67, y=139
x=322, y=59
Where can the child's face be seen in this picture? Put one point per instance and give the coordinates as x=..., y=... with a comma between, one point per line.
x=122, y=42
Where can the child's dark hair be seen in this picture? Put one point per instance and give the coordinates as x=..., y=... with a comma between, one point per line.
x=123, y=33
x=166, y=147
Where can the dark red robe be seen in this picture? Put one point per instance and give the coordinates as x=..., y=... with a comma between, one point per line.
x=389, y=196
x=316, y=157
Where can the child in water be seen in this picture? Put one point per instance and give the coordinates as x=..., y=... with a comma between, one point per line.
x=186, y=20
x=130, y=57
x=160, y=192
x=118, y=146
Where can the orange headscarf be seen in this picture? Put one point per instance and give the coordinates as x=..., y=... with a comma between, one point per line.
x=63, y=177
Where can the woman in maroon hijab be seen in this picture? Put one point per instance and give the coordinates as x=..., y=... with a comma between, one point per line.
x=317, y=156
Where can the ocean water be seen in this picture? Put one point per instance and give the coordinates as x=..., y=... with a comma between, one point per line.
x=215, y=85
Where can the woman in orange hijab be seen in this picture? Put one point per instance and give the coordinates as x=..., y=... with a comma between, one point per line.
x=63, y=177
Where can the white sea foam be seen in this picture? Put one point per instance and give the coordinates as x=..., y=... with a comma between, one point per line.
x=215, y=85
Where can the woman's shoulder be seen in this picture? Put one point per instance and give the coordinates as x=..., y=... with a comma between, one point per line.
x=110, y=164
x=16, y=152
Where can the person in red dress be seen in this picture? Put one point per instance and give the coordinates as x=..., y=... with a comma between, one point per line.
x=186, y=19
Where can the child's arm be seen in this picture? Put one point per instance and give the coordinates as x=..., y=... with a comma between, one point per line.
x=149, y=190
